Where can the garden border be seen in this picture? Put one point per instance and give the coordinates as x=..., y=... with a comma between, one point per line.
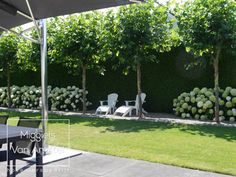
x=153, y=117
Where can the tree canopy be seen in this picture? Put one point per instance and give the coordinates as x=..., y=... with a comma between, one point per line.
x=8, y=50
x=207, y=24
x=142, y=31
x=77, y=40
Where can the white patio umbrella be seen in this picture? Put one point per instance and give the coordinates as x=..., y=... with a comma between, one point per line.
x=14, y=13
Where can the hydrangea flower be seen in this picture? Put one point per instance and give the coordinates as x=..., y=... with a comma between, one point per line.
x=199, y=104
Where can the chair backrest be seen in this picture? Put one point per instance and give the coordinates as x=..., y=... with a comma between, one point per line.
x=27, y=145
x=143, y=96
x=112, y=99
x=3, y=119
x=29, y=122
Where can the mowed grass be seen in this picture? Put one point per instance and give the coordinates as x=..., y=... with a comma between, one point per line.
x=210, y=148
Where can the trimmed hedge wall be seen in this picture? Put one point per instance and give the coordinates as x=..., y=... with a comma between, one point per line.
x=162, y=82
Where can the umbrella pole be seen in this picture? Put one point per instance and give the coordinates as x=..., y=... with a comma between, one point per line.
x=44, y=84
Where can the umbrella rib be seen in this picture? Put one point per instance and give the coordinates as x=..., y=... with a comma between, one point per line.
x=21, y=35
x=35, y=23
x=12, y=10
x=24, y=15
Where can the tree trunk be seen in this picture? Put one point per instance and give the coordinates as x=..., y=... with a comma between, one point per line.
x=84, y=68
x=9, y=87
x=140, y=112
x=216, y=75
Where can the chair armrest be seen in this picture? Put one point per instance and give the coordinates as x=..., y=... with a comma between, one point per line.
x=127, y=102
x=102, y=102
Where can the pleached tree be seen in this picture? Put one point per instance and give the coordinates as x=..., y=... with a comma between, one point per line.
x=8, y=58
x=207, y=28
x=76, y=45
x=141, y=31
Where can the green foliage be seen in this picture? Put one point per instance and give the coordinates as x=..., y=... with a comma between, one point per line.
x=29, y=54
x=141, y=31
x=8, y=51
x=26, y=55
x=206, y=24
x=76, y=40
x=108, y=38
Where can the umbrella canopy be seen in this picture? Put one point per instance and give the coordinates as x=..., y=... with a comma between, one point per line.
x=16, y=12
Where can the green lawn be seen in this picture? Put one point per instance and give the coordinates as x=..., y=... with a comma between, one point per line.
x=210, y=148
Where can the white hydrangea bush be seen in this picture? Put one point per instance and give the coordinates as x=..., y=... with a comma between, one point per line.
x=29, y=97
x=3, y=97
x=22, y=97
x=228, y=104
x=26, y=97
x=66, y=99
x=199, y=104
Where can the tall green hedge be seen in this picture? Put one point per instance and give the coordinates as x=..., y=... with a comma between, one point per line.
x=162, y=82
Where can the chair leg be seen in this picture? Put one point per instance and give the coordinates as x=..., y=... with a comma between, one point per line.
x=8, y=160
x=13, y=168
x=98, y=112
x=107, y=112
x=112, y=110
x=14, y=162
x=129, y=111
x=145, y=112
x=39, y=159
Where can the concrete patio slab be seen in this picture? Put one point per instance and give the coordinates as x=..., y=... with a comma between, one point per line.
x=100, y=164
x=97, y=165
x=55, y=153
x=146, y=169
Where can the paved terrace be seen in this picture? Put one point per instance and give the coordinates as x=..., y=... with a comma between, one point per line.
x=97, y=165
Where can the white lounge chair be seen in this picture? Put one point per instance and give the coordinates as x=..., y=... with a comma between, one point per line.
x=109, y=105
x=128, y=108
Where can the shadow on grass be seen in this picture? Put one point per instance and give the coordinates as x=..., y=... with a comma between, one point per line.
x=128, y=126
x=227, y=133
